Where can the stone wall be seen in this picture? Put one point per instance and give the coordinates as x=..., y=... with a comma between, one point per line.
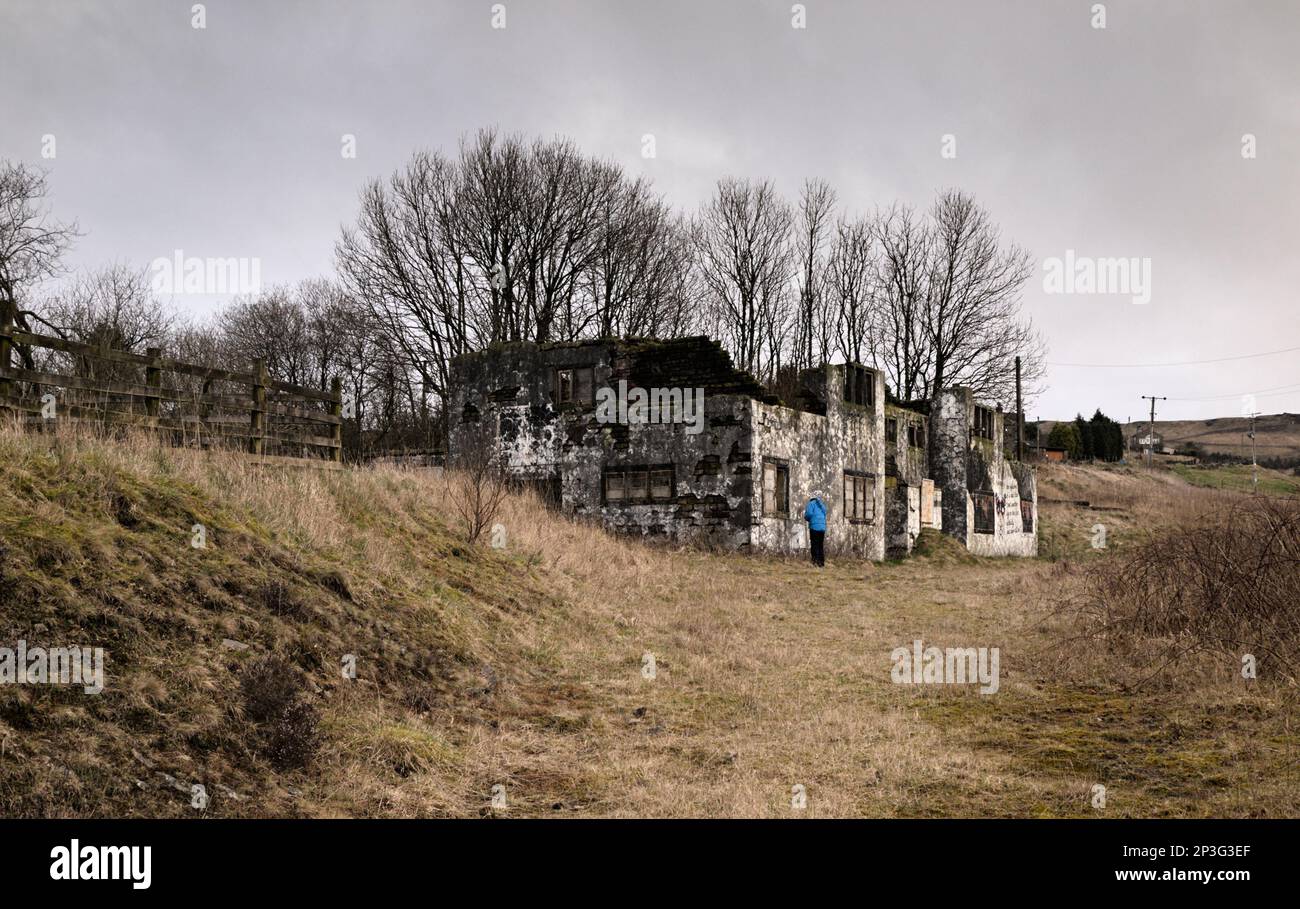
x=508, y=394
x=818, y=450
x=973, y=473
x=906, y=469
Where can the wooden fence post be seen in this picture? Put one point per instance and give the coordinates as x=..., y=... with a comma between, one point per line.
x=153, y=378
x=257, y=427
x=336, y=409
x=6, y=342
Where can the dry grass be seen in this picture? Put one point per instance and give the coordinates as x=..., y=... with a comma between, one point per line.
x=523, y=667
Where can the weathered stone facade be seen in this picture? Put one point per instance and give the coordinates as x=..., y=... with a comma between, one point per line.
x=990, y=503
x=734, y=471
x=910, y=494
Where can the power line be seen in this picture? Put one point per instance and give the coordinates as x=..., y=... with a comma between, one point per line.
x=1267, y=353
x=1267, y=392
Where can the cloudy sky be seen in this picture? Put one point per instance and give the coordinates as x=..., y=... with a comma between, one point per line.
x=1123, y=141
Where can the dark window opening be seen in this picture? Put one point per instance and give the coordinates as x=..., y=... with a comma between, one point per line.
x=891, y=432
x=1027, y=515
x=574, y=385
x=983, y=425
x=916, y=435
x=859, y=385
x=776, y=489
x=983, y=512
x=469, y=414
x=859, y=497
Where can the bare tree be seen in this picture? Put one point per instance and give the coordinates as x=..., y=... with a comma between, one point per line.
x=272, y=327
x=851, y=289
x=812, y=337
x=476, y=485
x=112, y=307
x=31, y=244
x=972, y=318
x=742, y=240
x=903, y=346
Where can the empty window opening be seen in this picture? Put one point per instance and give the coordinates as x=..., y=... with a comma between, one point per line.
x=574, y=385
x=983, y=425
x=859, y=385
x=916, y=435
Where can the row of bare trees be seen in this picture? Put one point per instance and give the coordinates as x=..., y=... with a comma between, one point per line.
x=510, y=239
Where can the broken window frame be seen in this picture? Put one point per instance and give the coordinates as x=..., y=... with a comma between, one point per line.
x=982, y=422
x=777, y=505
x=916, y=434
x=636, y=484
x=574, y=386
x=859, y=385
x=859, y=497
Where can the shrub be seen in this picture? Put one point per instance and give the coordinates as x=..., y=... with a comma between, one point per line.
x=286, y=727
x=1229, y=584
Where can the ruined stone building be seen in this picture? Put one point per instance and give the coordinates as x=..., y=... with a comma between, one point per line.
x=668, y=439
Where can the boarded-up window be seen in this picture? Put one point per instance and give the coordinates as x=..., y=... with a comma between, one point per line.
x=615, y=486
x=661, y=483
x=927, y=502
x=983, y=512
x=776, y=489
x=638, y=485
x=859, y=497
x=1027, y=515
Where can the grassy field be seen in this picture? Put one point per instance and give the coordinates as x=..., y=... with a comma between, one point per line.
x=525, y=671
x=1239, y=478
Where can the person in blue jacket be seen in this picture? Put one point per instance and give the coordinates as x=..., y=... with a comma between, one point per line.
x=815, y=514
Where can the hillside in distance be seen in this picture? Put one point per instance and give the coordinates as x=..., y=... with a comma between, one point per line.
x=1276, y=435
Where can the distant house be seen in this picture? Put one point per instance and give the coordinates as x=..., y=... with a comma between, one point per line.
x=1055, y=454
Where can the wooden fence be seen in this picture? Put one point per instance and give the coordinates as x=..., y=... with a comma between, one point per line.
x=192, y=405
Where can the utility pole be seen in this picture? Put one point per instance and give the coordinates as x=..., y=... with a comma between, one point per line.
x=1151, y=430
x=1020, y=419
x=1254, y=461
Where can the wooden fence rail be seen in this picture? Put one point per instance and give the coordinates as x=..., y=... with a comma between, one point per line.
x=195, y=405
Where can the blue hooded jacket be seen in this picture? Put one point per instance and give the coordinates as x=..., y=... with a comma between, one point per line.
x=815, y=514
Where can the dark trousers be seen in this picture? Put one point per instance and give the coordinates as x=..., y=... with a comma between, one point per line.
x=818, y=538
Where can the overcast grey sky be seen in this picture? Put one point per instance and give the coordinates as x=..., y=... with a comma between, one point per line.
x=1123, y=141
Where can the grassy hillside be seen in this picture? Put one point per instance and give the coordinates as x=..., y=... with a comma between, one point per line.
x=1276, y=435
x=526, y=668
